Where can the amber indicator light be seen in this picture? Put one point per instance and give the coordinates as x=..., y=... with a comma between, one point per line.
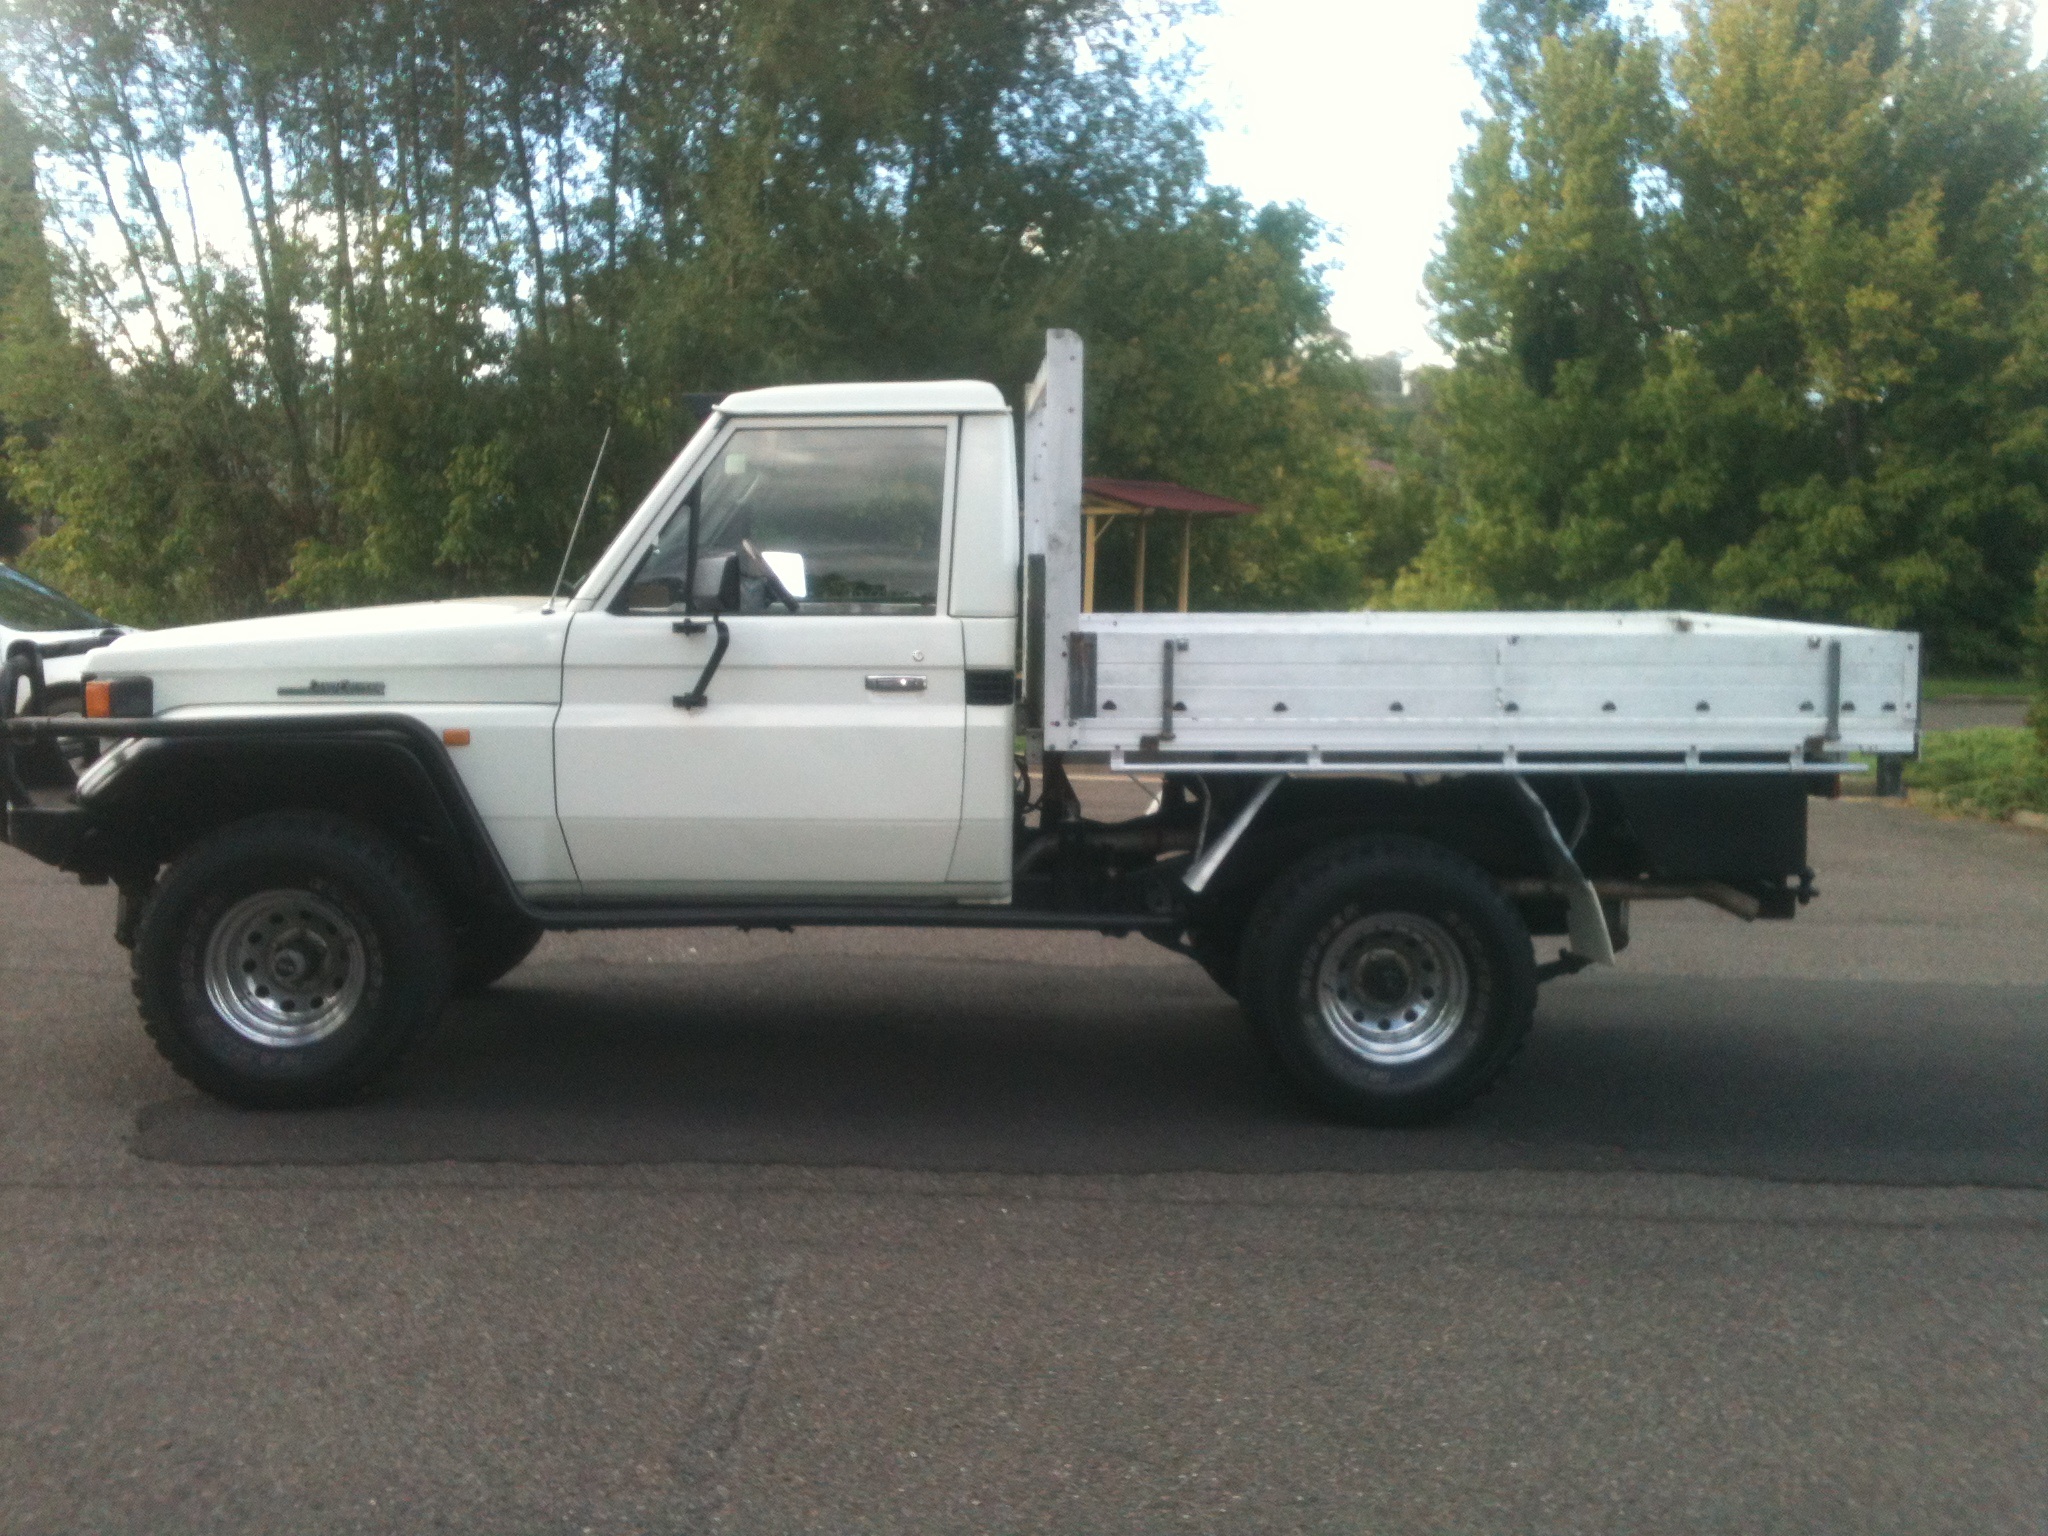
x=458, y=737
x=99, y=701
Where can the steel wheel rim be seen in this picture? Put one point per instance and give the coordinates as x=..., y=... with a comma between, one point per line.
x=1393, y=987
x=285, y=969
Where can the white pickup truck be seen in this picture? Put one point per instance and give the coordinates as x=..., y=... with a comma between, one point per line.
x=832, y=673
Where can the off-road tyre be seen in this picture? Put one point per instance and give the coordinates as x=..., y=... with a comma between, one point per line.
x=269, y=889
x=489, y=949
x=1392, y=980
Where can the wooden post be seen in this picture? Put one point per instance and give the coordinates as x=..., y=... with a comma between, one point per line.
x=1144, y=531
x=1095, y=525
x=1187, y=535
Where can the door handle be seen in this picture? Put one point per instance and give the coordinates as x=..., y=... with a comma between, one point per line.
x=898, y=683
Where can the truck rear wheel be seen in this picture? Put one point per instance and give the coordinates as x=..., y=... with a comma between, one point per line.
x=287, y=961
x=1392, y=979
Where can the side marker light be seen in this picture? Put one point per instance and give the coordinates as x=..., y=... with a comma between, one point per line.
x=119, y=698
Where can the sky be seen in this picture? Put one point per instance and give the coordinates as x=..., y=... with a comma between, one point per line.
x=1356, y=108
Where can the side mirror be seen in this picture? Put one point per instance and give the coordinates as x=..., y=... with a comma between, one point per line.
x=717, y=587
x=788, y=567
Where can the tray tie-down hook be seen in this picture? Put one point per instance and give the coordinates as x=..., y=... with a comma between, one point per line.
x=1167, y=701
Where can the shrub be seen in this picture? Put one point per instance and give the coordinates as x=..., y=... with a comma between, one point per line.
x=1991, y=772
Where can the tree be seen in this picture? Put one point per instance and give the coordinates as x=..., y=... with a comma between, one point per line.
x=1212, y=361
x=459, y=239
x=1763, y=335
x=32, y=333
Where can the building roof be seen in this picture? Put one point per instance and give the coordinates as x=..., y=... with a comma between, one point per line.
x=1164, y=496
x=957, y=398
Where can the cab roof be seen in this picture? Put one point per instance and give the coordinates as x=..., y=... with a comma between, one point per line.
x=953, y=398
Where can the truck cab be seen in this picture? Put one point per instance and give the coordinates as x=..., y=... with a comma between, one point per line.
x=856, y=740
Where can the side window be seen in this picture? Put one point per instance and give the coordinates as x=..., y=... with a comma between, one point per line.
x=849, y=517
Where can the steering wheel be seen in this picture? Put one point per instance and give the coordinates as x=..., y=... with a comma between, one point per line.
x=757, y=566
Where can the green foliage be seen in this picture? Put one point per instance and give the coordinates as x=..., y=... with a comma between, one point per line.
x=1990, y=772
x=1762, y=327
x=31, y=331
x=450, y=243
x=1211, y=363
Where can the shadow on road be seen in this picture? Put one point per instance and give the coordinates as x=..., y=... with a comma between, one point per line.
x=1020, y=1069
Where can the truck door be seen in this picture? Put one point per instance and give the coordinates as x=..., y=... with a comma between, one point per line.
x=828, y=760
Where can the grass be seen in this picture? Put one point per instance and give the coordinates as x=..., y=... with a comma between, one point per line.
x=1979, y=688
x=1991, y=772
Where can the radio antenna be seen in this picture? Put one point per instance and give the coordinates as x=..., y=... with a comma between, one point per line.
x=574, y=533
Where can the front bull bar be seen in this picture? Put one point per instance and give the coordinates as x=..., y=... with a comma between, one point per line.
x=25, y=664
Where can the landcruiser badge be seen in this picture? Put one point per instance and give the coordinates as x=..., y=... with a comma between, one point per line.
x=341, y=690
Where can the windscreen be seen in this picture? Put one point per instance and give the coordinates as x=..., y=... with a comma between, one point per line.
x=863, y=507
x=31, y=606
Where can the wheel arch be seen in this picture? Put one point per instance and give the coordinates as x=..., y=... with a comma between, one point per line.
x=149, y=803
x=1477, y=818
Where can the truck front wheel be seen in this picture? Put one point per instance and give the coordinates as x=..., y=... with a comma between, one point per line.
x=286, y=961
x=1392, y=979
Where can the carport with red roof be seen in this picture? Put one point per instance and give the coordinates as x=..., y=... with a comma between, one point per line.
x=1146, y=500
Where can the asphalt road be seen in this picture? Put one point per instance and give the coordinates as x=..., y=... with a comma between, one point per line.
x=908, y=1232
